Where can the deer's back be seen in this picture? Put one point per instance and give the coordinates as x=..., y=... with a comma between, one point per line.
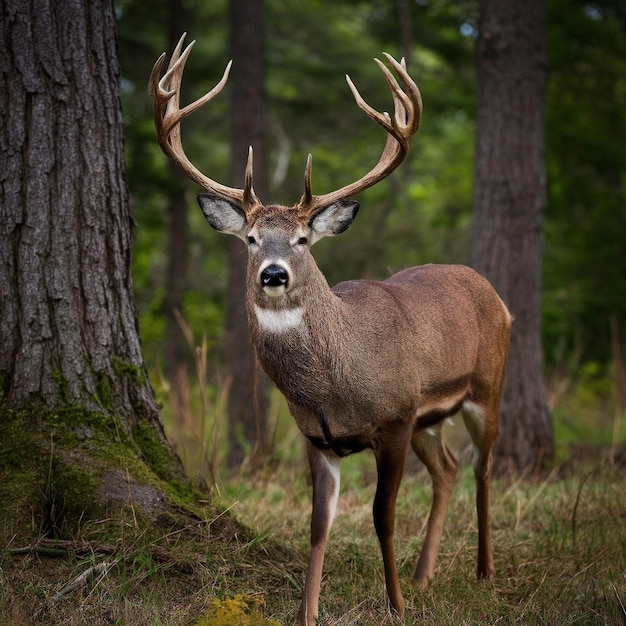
x=426, y=297
x=428, y=322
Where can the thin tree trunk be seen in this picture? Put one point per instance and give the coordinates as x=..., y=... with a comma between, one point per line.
x=247, y=403
x=405, y=30
x=176, y=351
x=73, y=386
x=509, y=199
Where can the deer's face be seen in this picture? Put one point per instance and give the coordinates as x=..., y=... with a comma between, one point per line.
x=279, y=259
x=278, y=240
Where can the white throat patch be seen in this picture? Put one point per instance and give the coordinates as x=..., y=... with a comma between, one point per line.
x=278, y=320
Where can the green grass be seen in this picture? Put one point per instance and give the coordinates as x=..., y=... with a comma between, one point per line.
x=559, y=548
x=560, y=552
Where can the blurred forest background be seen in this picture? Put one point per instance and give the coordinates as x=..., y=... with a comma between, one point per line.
x=420, y=215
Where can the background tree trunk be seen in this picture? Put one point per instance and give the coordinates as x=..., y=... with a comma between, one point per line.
x=75, y=400
x=247, y=401
x=405, y=30
x=509, y=198
x=176, y=352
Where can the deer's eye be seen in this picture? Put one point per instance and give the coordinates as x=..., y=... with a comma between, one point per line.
x=251, y=240
x=303, y=241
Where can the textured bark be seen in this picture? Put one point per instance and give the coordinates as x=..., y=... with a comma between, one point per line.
x=509, y=199
x=247, y=402
x=68, y=324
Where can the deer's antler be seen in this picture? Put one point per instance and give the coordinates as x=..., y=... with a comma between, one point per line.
x=165, y=94
x=400, y=129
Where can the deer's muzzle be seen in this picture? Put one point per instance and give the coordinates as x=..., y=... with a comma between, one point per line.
x=274, y=279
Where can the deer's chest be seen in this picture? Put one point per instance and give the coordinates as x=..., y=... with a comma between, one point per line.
x=305, y=372
x=332, y=406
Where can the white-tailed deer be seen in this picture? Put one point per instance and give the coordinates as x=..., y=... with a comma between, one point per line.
x=365, y=364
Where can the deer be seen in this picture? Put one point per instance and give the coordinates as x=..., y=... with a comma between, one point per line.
x=365, y=364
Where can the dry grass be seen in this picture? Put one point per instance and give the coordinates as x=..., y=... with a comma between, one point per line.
x=559, y=548
x=560, y=552
x=559, y=544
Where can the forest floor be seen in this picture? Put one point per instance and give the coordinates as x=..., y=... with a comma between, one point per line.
x=559, y=549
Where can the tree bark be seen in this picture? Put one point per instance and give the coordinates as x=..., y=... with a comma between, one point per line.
x=247, y=401
x=73, y=385
x=509, y=199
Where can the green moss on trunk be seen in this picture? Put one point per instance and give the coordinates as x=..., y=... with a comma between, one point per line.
x=63, y=468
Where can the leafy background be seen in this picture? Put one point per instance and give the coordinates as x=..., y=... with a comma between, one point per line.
x=422, y=214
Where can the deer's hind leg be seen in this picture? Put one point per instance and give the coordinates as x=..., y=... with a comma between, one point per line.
x=481, y=421
x=442, y=467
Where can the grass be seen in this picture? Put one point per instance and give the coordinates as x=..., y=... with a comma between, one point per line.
x=560, y=552
x=559, y=547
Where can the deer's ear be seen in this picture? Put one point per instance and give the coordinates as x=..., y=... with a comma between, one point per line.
x=223, y=216
x=333, y=220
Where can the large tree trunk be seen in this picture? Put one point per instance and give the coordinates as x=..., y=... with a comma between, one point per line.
x=247, y=400
x=79, y=427
x=509, y=198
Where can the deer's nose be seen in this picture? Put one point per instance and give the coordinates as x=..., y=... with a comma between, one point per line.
x=274, y=276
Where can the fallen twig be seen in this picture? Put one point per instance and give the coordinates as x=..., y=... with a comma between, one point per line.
x=95, y=570
x=60, y=547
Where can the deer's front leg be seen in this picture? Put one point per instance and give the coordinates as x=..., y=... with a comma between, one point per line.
x=390, y=459
x=325, y=476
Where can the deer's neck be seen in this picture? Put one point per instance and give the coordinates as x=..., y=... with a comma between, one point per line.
x=298, y=338
x=294, y=314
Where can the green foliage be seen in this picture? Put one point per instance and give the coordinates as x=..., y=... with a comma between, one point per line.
x=422, y=213
x=586, y=218
x=588, y=411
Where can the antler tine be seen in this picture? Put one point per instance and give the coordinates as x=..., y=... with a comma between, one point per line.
x=382, y=118
x=403, y=101
x=249, y=197
x=159, y=89
x=308, y=196
x=400, y=131
x=164, y=83
x=165, y=93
